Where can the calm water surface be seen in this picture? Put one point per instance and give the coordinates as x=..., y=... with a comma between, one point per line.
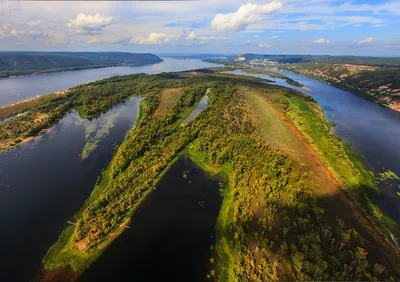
x=373, y=130
x=171, y=233
x=17, y=89
x=201, y=106
x=45, y=182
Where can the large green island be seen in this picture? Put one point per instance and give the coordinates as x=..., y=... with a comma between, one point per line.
x=297, y=204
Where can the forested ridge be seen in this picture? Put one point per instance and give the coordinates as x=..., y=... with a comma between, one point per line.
x=24, y=63
x=273, y=224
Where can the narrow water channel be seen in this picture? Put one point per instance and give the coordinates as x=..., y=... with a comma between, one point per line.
x=44, y=182
x=171, y=234
x=201, y=106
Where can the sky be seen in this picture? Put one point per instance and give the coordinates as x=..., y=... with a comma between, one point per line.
x=331, y=27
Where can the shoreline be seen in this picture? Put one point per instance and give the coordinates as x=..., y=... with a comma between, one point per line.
x=344, y=89
x=74, y=69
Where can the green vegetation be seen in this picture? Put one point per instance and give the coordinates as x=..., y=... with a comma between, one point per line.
x=95, y=131
x=24, y=63
x=273, y=224
x=275, y=75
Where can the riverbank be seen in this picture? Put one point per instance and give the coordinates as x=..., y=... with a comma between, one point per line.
x=394, y=106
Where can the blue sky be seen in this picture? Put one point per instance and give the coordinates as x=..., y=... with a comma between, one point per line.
x=361, y=27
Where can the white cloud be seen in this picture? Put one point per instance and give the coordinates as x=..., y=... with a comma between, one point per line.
x=364, y=41
x=262, y=45
x=152, y=38
x=206, y=39
x=15, y=32
x=274, y=37
x=91, y=41
x=87, y=24
x=191, y=36
x=321, y=41
x=247, y=14
x=34, y=23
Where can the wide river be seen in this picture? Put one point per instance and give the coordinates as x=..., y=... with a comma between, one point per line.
x=21, y=88
x=373, y=130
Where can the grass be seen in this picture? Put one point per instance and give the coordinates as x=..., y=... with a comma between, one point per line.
x=272, y=128
x=338, y=157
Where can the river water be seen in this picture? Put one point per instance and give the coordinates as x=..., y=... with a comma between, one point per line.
x=45, y=182
x=171, y=235
x=21, y=88
x=373, y=130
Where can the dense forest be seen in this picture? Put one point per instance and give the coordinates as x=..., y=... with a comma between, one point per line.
x=24, y=63
x=284, y=216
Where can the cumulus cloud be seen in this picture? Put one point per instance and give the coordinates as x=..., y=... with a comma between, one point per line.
x=87, y=24
x=274, y=37
x=191, y=36
x=262, y=45
x=321, y=41
x=364, y=41
x=152, y=38
x=247, y=14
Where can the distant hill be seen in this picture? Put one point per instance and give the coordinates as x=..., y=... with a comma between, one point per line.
x=23, y=63
x=295, y=59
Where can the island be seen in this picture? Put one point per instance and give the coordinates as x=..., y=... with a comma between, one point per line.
x=26, y=63
x=297, y=203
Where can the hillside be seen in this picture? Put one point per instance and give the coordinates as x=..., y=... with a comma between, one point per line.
x=324, y=59
x=24, y=63
x=379, y=84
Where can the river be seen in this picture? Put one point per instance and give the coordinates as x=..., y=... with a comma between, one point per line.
x=374, y=131
x=13, y=90
x=171, y=235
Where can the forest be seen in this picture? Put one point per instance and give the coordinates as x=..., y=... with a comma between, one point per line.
x=25, y=63
x=279, y=220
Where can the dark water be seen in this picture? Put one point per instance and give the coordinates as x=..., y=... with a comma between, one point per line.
x=17, y=89
x=44, y=182
x=201, y=106
x=171, y=233
x=373, y=130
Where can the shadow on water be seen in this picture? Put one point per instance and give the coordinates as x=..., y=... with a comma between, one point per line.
x=44, y=182
x=171, y=233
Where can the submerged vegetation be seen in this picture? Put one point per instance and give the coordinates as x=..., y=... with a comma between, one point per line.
x=283, y=216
